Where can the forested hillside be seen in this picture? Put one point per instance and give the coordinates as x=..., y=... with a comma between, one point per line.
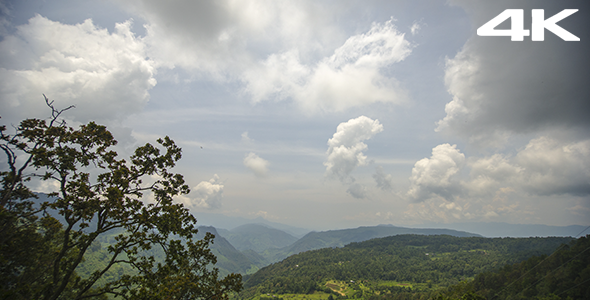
x=563, y=275
x=339, y=238
x=229, y=259
x=403, y=265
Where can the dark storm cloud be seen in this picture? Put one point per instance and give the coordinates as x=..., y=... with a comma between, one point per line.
x=203, y=19
x=500, y=86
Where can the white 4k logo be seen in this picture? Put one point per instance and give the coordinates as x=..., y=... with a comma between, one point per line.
x=538, y=26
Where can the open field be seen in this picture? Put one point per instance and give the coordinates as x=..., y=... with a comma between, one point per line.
x=314, y=296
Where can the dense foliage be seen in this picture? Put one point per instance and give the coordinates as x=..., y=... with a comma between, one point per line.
x=342, y=237
x=98, y=194
x=433, y=261
x=565, y=274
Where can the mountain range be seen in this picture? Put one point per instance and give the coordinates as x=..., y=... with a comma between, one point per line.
x=257, y=237
x=498, y=229
x=414, y=265
x=486, y=229
x=247, y=248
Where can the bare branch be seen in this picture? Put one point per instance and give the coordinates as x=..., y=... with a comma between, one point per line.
x=55, y=113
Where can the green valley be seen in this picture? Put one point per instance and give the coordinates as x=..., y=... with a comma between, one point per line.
x=396, y=267
x=346, y=264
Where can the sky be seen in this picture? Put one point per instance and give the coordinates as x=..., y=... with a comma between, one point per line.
x=324, y=114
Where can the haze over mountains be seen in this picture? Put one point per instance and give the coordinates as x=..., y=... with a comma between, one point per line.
x=249, y=247
x=257, y=237
x=499, y=229
x=486, y=229
x=245, y=245
x=284, y=235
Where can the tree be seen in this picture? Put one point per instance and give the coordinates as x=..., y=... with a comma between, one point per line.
x=98, y=194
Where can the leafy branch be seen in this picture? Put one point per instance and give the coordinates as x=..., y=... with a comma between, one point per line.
x=94, y=207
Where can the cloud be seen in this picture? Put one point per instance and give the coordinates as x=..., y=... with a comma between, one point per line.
x=415, y=28
x=345, y=152
x=188, y=34
x=277, y=50
x=207, y=194
x=350, y=77
x=545, y=167
x=553, y=168
x=384, y=181
x=500, y=87
x=504, y=92
x=246, y=139
x=345, y=148
x=220, y=39
x=357, y=190
x=437, y=176
x=107, y=76
x=256, y=164
x=489, y=174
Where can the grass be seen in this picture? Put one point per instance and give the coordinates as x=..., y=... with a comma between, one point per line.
x=339, y=287
x=352, y=290
x=395, y=283
x=314, y=296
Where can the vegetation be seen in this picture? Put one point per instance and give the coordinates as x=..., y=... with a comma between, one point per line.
x=339, y=238
x=565, y=274
x=112, y=229
x=396, y=267
x=99, y=194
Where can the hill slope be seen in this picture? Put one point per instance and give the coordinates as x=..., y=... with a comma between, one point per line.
x=422, y=262
x=229, y=259
x=258, y=237
x=565, y=274
x=340, y=238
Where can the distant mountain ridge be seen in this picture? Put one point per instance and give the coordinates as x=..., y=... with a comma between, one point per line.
x=500, y=229
x=249, y=247
x=222, y=221
x=486, y=229
x=229, y=259
x=342, y=237
x=257, y=237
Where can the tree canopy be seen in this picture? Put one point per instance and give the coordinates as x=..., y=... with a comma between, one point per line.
x=376, y=267
x=98, y=193
x=565, y=274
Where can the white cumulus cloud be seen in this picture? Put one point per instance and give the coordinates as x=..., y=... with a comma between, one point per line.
x=107, y=76
x=350, y=77
x=256, y=164
x=437, y=176
x=357, y=190
x=345, y=152
x=495, y=184
x=207, y=194
x=546, y=166
x=488, y=174
x=345, y=148
x=552, y=167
